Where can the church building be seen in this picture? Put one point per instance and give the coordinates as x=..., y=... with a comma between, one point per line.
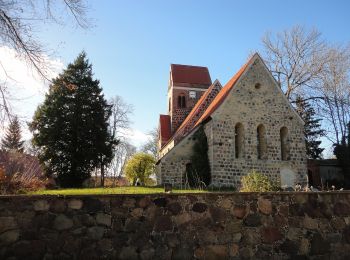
x=249, y=125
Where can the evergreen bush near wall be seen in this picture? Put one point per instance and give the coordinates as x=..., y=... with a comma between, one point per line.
x=198, y=172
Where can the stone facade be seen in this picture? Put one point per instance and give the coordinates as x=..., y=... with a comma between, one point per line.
x=271, y=134
x=188, y=226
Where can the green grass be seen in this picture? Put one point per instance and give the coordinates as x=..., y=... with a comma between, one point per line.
x=117, y=190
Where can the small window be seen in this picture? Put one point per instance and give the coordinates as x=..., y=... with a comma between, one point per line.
x=262, y=144
x=239, y=139
x=181, y=101
x=257, y=85
x=284, y=144
x=192, y=94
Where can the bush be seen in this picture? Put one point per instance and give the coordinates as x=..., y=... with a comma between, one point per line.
x=257, y=182
x=19, y=173
x=139, y=168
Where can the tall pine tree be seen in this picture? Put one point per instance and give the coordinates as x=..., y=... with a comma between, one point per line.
x=12, y=140
x=312, y=128
x=71, y=127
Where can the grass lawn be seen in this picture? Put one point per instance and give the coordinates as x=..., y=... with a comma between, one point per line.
x=117, y=190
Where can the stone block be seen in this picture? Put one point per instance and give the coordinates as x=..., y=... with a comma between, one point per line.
x=62, y=222
x=96, y=232
x=319, y=246
x=265, y=206
x=199, y=207
x=239, y=211
x=216, y=252
x=304, y=247
x=41, y=205
x=75, y=204
x=128, y=253
x=310, y=223
x=7, y=223
x=252, y=220
x=104, y=219
x=9, y=237
x=58, y=206
x=270, y=235
x=163, y=223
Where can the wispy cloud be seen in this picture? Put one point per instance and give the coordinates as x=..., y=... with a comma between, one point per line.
x=25, y=88
x=136, y=137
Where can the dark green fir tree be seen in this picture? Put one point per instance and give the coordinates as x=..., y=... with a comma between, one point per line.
x=312, y=128
x=12, y=140
x=71, y=127
x=198, y=171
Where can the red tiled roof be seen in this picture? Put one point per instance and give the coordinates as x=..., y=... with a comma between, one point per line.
x=190, y=74
x=223, y=93
x=165, y=127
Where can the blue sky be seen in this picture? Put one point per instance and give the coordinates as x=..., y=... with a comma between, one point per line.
x=132, y=43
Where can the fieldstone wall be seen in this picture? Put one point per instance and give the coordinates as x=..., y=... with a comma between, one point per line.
x=188, y=226
x=173, y=172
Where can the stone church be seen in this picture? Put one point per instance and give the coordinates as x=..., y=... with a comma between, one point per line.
x=249, y=125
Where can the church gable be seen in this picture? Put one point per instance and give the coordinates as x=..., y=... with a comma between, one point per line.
x=256, y=92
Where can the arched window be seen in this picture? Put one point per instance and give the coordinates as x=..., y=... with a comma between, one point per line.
x=181, y=101
x=239, y=140
x=262, y=144
x=284, y=144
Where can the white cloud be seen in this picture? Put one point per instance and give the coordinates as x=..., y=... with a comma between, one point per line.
x=136, y=137
x=25, y=88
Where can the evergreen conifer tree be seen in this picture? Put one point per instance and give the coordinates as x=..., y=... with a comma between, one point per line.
x=71, y=127
x=12, y=139
x=312, y=130
x=198, y=171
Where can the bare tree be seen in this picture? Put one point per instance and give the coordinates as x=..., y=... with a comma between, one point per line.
x=296, y=57
x=18, y=21
x=335, y=89
x=119, y=122
x=304, y=64
x=123, y=152
x=151, y=146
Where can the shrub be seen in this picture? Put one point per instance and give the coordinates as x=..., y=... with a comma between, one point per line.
x=257, y=182
x=19, y=173
x=139, y=168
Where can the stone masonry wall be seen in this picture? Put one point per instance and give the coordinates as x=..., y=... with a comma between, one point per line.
x=166, y=226
x=172, y=171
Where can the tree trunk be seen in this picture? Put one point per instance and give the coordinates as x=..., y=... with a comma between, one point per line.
x=102, y=175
